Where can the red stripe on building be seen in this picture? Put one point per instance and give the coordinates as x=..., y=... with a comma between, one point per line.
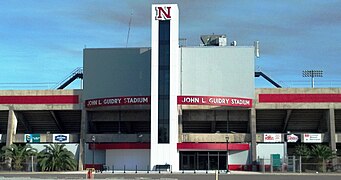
x=50, y=99
x=213, y=146
x=104, y=146
x=299, y=98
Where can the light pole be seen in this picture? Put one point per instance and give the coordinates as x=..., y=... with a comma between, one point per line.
x=93, y=139
x=312, y=74
x=227, y=154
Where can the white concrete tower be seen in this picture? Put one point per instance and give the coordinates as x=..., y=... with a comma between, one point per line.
x=164, y=85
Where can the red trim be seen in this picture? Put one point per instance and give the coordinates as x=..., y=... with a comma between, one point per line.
x=215, y=101
x=119, y=146
x=96, y=166
x=240, y=167
x=117, y=101
x=213, y=146
x=49, y=99
x=299, y=98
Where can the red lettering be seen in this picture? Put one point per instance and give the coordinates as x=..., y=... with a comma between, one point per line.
x=161, y=13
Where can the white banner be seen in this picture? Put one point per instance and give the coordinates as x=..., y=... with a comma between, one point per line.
x=292, y=138
x=312, y=138
x=61, y=138
x=0, y=137
x=272, y=137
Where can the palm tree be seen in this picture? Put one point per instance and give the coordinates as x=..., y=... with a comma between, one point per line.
x=303, y=151
x=322, y=152
x=18, y=154
x=56, y=158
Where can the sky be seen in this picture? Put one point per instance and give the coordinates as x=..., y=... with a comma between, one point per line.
x=42, y=42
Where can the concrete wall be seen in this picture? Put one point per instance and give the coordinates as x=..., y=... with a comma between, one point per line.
x=116, y=72
x=218, y=115
x=239, y=157
x=119, y=137
x=41, y=93
x=99, y=155
x=217, y=71
x=128, y=157
x=264, y=150
x=120, y=115
x=296, y=91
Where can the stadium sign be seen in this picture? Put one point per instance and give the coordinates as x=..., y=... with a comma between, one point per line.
x=215, y=101
x=117, y=101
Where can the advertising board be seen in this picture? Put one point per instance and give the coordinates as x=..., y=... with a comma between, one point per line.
x=312, y=138
x=272, y=137
x=61, y=138
x=32, y=138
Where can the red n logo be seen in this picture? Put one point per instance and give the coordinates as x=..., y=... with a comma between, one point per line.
x=163, y=13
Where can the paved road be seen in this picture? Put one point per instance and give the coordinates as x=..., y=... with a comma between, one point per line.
x=198, y=176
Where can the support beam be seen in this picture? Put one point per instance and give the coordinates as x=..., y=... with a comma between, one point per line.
x=253, y=137
x=331, y=132
x=57, y=121
x=23, y=121
x=180, y=139
x=331, y=128
x=82, y=141
x=286, y=120
x=11, y=127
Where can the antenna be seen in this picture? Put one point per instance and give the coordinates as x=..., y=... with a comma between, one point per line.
x=256, y=45
x=131, y=17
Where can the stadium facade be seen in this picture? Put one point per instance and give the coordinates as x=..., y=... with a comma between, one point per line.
x=170, y=106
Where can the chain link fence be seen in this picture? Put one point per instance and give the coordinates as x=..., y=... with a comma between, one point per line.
x=299, y=164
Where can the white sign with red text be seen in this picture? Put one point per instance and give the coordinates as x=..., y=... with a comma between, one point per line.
x=312, y=138
x=292, y=138
x=272, y=138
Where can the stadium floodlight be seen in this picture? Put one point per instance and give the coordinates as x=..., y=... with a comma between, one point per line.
x=312, y=74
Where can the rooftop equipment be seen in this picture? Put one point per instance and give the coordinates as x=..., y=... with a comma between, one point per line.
x=214, y=40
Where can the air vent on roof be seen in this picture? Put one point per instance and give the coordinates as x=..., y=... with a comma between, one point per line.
x=214, y=40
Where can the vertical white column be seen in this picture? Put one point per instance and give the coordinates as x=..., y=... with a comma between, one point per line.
x=11, y=127
x=165, y=153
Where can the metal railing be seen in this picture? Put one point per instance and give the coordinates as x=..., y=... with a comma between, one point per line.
x=73, y=75
x=298, y=164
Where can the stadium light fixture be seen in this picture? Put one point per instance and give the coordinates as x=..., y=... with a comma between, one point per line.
x=312, y=74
